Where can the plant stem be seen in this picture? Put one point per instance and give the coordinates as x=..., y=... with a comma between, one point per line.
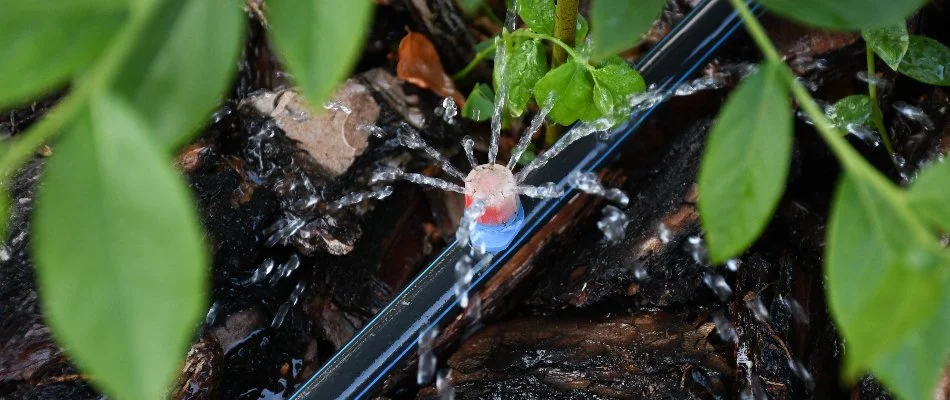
x=876, y=115
x=849, y=158
x=559, y=43
x=565, y=29
x=472, y=64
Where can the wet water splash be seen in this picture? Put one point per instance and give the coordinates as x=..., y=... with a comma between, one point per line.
x=427, y=361
x=282, y=230
x=802, y=373
x=725, y=328
x=501, y=98
x=261, y=272
x=905, y=171
x=640, y=273
x=864, y=133
x=372, y=130
x=733, y=264
x=547, y=190
x=449, y=110
x=410, y=138
x=710, y=82
x=390, y=174
x=468, y=221
x=285, y=307
x=915, y=114
x=696, y=247
x=718, y=285
x=589, y=182
x=576, y=133
x=664, y=233
x=872, y=80
x=358, y=197
x=463, y=278
x=212, y=314
x=336, y=106
x=286, y=269
x=443, y=386
x=613, y=223
x=759, y=311
x=796, y=309
x=525, y=139
x=468, y=144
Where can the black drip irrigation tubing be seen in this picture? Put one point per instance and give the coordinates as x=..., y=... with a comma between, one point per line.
x=361, y=365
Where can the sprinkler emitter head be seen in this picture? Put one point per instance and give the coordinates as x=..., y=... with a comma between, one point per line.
x=494, y=186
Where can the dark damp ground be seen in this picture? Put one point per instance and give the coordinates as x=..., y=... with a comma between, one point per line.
x=570, y=317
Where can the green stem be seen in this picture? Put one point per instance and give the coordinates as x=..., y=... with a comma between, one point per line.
x=559, y=43
x=565, y=29
x=475, y=61
x=22, y=147
x=876, y=115
x=849, y=158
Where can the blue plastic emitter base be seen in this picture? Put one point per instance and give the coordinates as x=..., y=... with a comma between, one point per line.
x=494, y=238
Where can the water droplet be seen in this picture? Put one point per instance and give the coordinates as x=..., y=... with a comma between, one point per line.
x=796, y=309
x=697, y=249
x=451, y=110
x=357, y=197
x=444, y=387
x=427, y=361
x=547, y=190
x=613, y=223
x=336, y=106
x=727, y=331
x=468, y=143
x=718, y=285
x=212, y=313
x=864, y=133
x=732, y=264
x=872, y=80
x=802, y=373
x=754, y=304
x=589, y=182
x=664, y=233
x=640, y=273
x=915, y=114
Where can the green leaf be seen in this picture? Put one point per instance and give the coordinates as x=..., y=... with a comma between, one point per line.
x=889, y=42
x=538, y=15
x=583, y=28
x=480, y=104
x=887, y=286
x=528, y=155
x=849, y=15
x=44, y=43
x=319, y=40
x=614, y=83
x=927, y=61
x=854, y=109
x=183, y=62
x=930, y=195
x=526, y=63
x=572, y=86
x=619, y=24
x=469, y=7
x=745, y=164
x=119, y=253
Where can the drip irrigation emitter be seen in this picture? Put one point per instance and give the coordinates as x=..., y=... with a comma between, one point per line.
x=493, y=188
x=357, y=369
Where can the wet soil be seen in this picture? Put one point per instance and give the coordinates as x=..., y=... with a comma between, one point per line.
x=569, y=317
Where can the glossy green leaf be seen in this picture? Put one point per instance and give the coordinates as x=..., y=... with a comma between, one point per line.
x=617, y=25
x=538, y=15
x=526, y=63
x=854, y=109
x=119, y=253
x=930, y=195
x=583, y=28
x=927, y=60
x=319, y=40
x=480, y=104
x=745, y=164
x=851, y=15
x=887, y=286
x=889, y=42
x=571, y=86
x=44, y=43
x=614, y=83
x=182, y=65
